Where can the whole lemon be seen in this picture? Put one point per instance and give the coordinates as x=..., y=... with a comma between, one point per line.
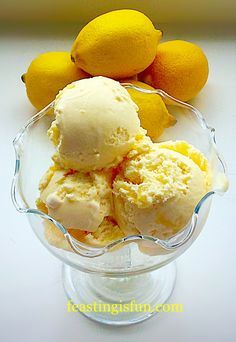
x=153, y=114
x=180, y=68
x=117, y=44
x=47, y=74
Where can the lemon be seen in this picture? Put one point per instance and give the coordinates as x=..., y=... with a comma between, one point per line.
x=180, y=68
x=47, y=74
x=153, y=114
x=117, y=44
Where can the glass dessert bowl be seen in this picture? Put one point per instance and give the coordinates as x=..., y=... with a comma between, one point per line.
x=137, y=267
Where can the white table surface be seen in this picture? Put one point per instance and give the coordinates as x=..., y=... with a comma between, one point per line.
x=32, y=301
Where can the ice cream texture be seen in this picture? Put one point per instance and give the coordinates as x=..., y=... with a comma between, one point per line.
x=75, y=199
x=109, y=180
x=107, y=232
x=95, y=126
x=156, y=191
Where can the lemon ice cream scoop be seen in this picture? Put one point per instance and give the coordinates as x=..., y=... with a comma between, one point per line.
x=95, y=126
x=156, y=192
x=75, y=199
x=107, y=232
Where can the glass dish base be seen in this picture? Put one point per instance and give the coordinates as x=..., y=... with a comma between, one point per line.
x=118, y=300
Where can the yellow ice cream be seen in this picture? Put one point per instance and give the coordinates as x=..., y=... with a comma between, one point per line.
x=75, y=199
x=156, y=192
x=106, y=233
x=95, y=126
x=109, y=179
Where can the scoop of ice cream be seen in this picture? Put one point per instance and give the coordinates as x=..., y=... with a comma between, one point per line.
x=75, y=199
x=107, y=232
x=156, y=191
x=95, y=125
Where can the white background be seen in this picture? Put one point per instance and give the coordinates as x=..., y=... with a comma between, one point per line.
x=32, y=301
